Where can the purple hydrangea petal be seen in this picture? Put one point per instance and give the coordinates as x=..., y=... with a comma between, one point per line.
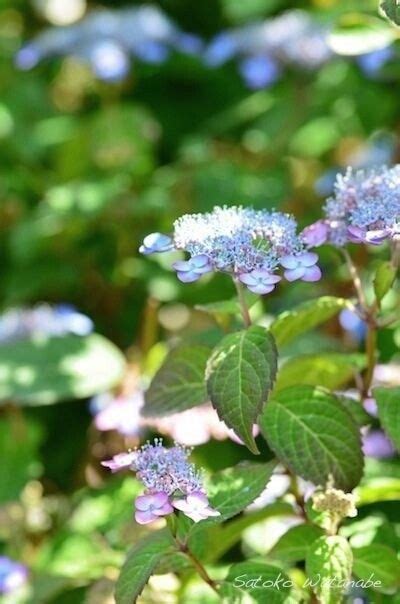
x=145, y=517
x=261, y=289
x=156, y=242
x=315, y=234
x=295, y=273
x=120, y=461
x=289, y=261
x=188, y=276
x=312, y=273
x=308, y=259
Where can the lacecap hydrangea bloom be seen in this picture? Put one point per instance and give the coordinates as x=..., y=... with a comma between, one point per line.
x=264, y=48
x=365, y=207
x=171, y=482
x=106, y=40
x=249, y=244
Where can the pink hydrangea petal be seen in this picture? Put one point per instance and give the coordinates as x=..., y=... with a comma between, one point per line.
x=315, y=234
x=197, y=499
x=355, y=234
x=195, y=516
x=182, y=505
x=211, y=512
x=290, y=262
x=164, y=510
x=155, y=500
x=313, y=273
x=120, y=461
x=144, y=517
x=295, y=273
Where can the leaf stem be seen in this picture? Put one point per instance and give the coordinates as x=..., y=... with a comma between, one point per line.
x=370, y=349
x=242, y=302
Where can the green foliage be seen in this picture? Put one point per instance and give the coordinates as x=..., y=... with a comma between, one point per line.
x=330, y=440
x=388, y=401
x=392, y=10
x=384, y=278
x=48, y=370
x=295, y=543
x=140, y=564
x=179, y=383
x=329, y=565
x=331, y=369
x=240, y=373
x=382, y=563
x=292, y=323
x=263, y=582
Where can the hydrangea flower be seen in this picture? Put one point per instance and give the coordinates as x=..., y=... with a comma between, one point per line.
x=43, y=320
x=303, y=266
x=248, y=244
x=121, y=413
x=377, y=445
x=263, y=48
x=169, y=479
x=365, y=207
x=151, y=507
x=195, y=506
x=106, y=40
x=12, y=575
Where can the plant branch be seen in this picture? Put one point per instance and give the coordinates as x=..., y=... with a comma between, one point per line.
x=198, y=566
x=242, y=303
x=356, y=279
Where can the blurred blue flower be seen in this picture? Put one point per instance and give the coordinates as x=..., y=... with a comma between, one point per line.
x=43, y=320
x=352, y=323
x=12, y=575
x=107, y=39
x=372, y=62
x=259, y=71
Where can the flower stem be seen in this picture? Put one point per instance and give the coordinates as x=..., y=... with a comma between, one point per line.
x=242, y=303
x=198, y=566
x=370, y=349
x=356, y=279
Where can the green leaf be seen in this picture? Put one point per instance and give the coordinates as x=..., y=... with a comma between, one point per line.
x=381, y=562
x=232, y=490
x=48, y=370
x=179, y=384
x=331, y=369
x=264, y=582
x=391, y=9
x=294, y=544
x=383, y=281
x=228, y=307
x=388, y=401
x=292, y=323
x=356, y=410
x=140, y=564
x=229, y=594
x=240, y=373
x=311, y=433
x=328, y=564
x=361, y=35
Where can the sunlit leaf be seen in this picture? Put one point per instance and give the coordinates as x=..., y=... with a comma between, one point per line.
x=379, y=561
x=329, y=564
x=388, y=401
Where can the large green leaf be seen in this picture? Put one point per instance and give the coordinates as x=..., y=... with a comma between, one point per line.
x=264, y=582
x=294, y=544
x=388, y=401
x=331, y=369
x=240, y=373
x=47, y=370
x=232, y=490
x=311, y=432
x=292, y=323
x=179, y=383
x=328, y=565
x=140, y=564
x=379, y=561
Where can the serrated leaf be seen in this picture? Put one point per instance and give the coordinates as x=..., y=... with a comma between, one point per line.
x=48, y=370
x=179, y=384
x=229, y=594
x=331, y=369
x=381, y=562
x=383, y=281
x=311, y=433
x=328, y=565
x=292, y=323
x=264, y=582
x=140, y=564
x=232, y=490
x=240, y=373
x=294, y=544
x=391, y=9
x=388, y=401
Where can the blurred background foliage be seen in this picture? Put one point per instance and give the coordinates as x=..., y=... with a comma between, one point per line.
x=87, y=169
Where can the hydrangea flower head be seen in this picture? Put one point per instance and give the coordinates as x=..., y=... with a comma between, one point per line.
x=243, y=242
x=365, y=207
x=170, y=479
